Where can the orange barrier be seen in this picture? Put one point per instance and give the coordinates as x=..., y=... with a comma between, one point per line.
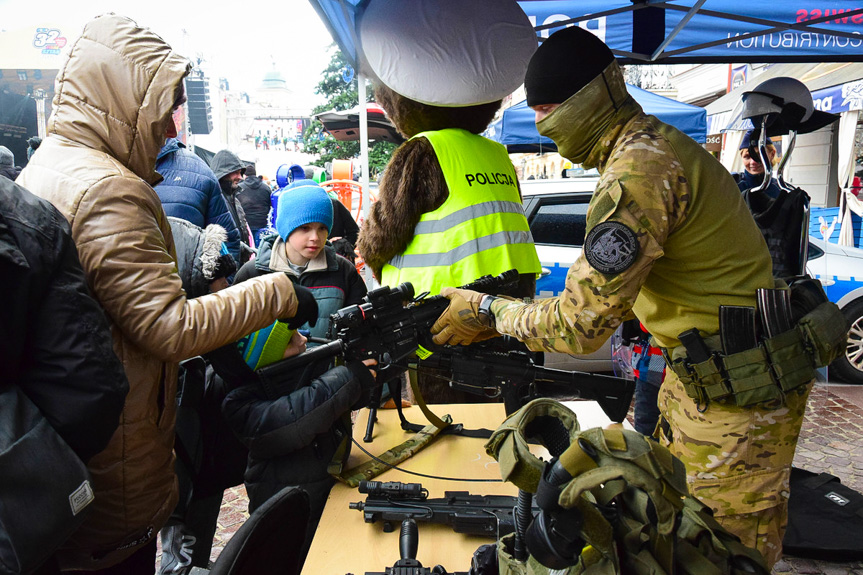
x=346, y=190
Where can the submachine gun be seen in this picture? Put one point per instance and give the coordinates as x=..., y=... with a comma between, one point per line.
x=392, y=503
x=391, y=325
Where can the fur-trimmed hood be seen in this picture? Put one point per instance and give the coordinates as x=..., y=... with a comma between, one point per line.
x=198, y=253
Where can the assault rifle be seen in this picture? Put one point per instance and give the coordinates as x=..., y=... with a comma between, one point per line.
x=503, y=368
x=392, y=503
x=389, y=326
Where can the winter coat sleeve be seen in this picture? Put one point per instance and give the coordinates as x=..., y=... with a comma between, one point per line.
x=217, y=213
x=121, y=232
x=73, y=376
x=274, y=428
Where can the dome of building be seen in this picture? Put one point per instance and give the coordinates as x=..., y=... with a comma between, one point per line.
x=273, y=80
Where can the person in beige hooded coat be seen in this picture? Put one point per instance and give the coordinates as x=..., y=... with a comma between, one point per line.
x=113, y=105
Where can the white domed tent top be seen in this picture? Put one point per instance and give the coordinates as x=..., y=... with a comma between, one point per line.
x=448, y=52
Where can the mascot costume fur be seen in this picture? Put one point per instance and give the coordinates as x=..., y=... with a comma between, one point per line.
x=441, y=69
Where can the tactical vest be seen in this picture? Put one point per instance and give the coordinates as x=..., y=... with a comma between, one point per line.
x=480, y=229
x=780, y=221
x=776, y=365
x=625, y=503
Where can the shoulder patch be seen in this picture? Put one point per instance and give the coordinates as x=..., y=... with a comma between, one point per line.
x=611, y=247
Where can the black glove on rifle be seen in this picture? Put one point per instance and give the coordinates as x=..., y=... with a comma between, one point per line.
x=367, y=383
x=307, y=308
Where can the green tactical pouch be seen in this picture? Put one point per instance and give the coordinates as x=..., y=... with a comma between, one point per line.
x=791, y=363
x=710, y=379
x=825, y=330
x=750, y=377
x=703, y=381
x=635, y=512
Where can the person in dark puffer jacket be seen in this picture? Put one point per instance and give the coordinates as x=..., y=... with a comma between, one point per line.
x=55, y=342
x=190, y=191
x=293, y=439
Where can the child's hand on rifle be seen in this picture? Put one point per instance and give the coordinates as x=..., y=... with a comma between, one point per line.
x=461, y=322
x=296, y=345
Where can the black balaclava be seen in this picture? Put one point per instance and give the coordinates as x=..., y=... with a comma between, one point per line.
x=564, y=64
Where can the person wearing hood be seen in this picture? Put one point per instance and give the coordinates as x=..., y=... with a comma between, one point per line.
x=7, y=164
x=189, y=190
x=229, y=170
x=254, y=196
x=670, y=239
x=97, y=166
x=33, y=145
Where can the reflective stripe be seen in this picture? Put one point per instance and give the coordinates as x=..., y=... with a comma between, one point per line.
x=466, y=214
x=465, y=250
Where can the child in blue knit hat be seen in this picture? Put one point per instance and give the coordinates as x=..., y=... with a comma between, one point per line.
x=303, y=221
x=298, y=438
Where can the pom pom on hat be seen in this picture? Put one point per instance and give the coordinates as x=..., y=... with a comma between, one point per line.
x=301, y=203
x=564, y=64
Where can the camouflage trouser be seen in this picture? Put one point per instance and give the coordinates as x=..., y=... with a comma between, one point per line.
x=738, y=460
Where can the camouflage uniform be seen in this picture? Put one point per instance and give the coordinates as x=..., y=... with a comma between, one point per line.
x=690, y=247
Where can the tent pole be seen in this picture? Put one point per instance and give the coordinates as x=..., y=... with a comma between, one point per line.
x=364, y=142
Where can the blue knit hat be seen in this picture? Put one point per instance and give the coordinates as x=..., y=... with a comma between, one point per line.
x=301, y=203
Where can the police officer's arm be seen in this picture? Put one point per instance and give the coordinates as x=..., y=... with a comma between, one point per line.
x=624, y=239
x=412, y=185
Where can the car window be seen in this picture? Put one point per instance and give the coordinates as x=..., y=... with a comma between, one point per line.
x=814, y=252
x=559, y=224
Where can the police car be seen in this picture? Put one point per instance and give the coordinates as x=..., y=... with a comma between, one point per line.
x=840, y=270
x=557, y=211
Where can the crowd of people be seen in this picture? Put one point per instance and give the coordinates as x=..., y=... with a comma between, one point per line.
x=179, y=279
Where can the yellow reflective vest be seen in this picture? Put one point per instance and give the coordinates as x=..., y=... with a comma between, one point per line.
x=479, y=230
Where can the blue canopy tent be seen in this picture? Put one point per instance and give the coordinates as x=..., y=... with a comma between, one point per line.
x=676, y=31
x=662, y=32
x=516, y=128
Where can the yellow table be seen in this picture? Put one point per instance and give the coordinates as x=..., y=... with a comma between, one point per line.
x=344, y=543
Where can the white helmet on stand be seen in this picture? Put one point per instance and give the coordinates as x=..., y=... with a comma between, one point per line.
x=787, y=105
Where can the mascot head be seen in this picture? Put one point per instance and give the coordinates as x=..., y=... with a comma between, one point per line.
x=444, y=63
x=412, y=117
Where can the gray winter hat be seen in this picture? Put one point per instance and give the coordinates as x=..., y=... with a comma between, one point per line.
x=7, y=158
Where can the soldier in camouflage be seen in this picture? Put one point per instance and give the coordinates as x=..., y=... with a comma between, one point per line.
x=670, y=240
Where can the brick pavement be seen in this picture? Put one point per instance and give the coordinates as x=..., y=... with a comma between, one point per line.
x=831, y=441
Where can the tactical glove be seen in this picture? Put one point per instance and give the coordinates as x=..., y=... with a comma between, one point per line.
x=307, y=308
x=461, y=323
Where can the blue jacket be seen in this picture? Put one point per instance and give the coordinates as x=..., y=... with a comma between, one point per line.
x=746, y=181
x=190, y=191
